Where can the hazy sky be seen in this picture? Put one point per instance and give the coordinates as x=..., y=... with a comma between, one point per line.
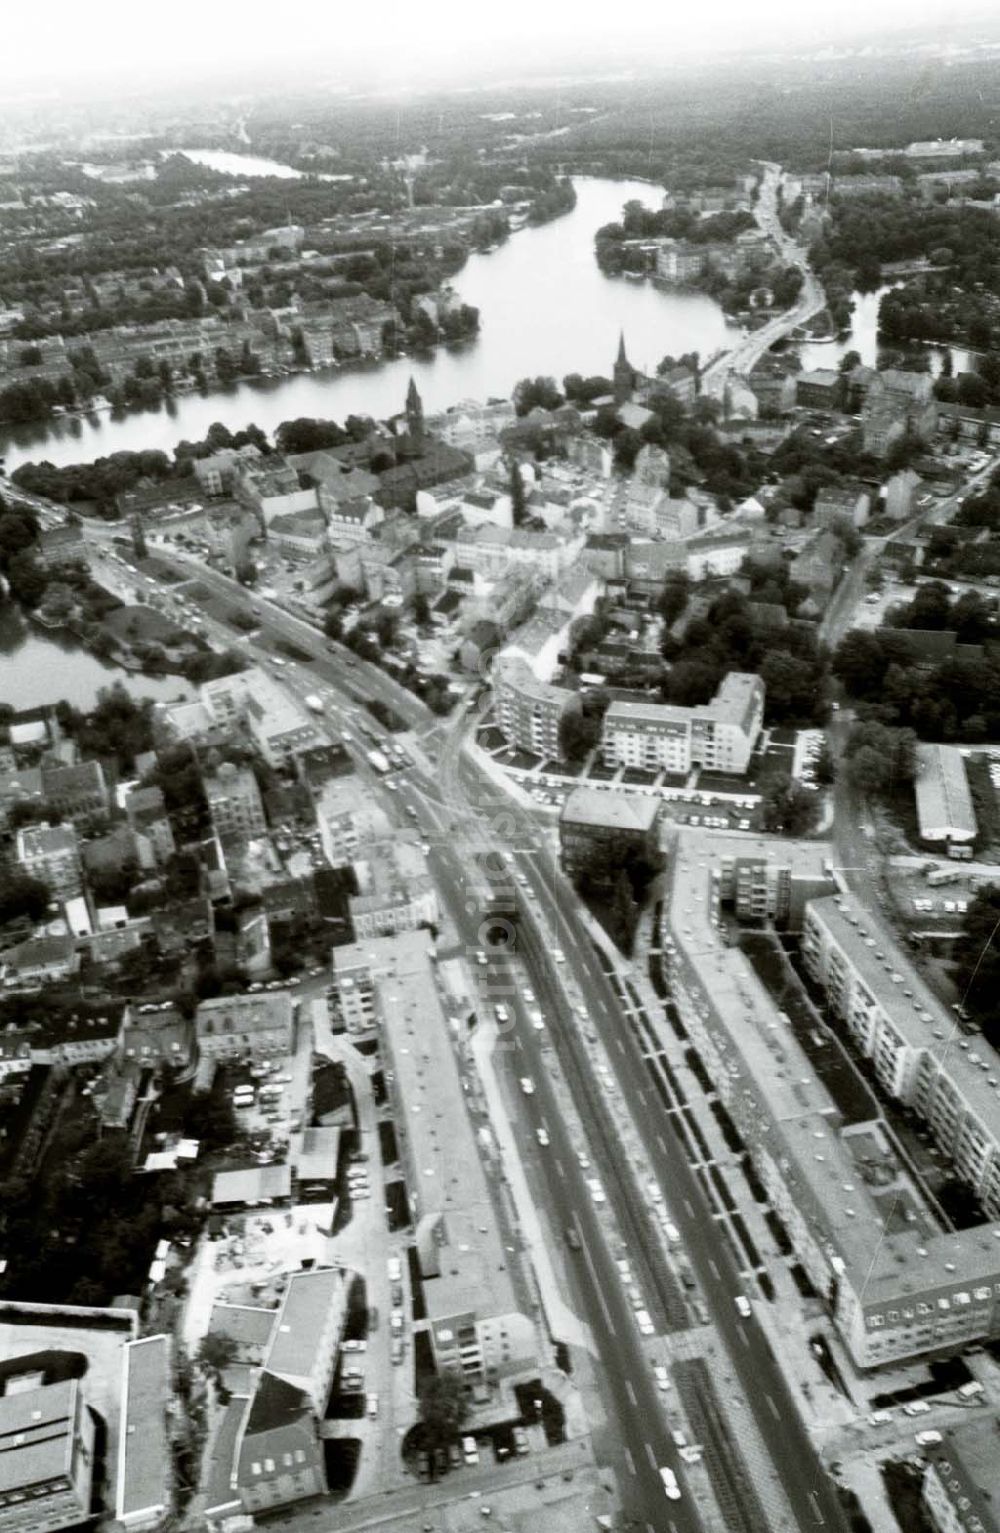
x=393, y=40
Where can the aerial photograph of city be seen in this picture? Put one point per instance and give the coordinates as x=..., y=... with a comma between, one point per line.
x=500, y=768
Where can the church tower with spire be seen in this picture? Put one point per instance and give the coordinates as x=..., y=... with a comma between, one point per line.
x=414, y=413
x=623, y=375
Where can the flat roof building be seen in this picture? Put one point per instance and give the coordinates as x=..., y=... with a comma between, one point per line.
x=46, y=1457
x=599, y=829
x=306, y=1335
x=944, y=803
x=272, y=717
x=960, y=1483
x=143, y=1495
x=474, y=1324
x=898, y=1284
x=719, y=735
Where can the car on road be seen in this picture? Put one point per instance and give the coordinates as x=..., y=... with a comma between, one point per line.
x=644, y=1322
x=573, y=1239
x=671, y=1231
x=558, y=955
x=743, y=1305
x=502, y=1014
x=371, y=1406
x=353, y=1346
x=680, y=1440
x=661, y=1376
x=670, y=1485
x=584, y=1164
x=542, y=1135
x=470, y=1450
x=536, y=1020
x=596, y=1190
x=527, y=1085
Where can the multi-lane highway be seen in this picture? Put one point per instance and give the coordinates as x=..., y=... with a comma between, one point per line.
x=807, y=1486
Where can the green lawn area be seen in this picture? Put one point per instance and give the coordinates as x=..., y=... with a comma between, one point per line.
x=143, y=625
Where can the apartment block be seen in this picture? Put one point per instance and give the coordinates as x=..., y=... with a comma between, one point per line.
x=960, y=1482
x=46, y=1457
x=234, y=803
x=664, y=737
x=897, y=1282
x=952, y=1082
x=530, y=712
x=229, y=1026
x=597, y=828
x=473, y=1322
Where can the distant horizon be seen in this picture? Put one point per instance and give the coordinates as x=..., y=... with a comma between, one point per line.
x=63, y=54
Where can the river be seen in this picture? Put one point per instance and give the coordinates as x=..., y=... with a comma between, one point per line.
x=38, y=666
x=545, y=307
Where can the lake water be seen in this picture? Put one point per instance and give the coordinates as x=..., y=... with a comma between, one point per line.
x=863, y=338
x=251, y=165
x=38, y=666
x=545, y=307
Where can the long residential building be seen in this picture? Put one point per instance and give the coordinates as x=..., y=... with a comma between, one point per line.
x=665, y=737
x=474, y=1325
x=897, y=1283
x=919, y=1056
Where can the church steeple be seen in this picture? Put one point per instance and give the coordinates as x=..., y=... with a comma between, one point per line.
x=624, y=375
x=414, y=412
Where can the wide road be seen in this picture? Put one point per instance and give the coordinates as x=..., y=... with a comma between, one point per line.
x=808, y=1487
x=632, y=1399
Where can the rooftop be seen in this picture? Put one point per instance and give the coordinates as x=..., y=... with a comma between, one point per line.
x=301, y=1321
x=449, y=1184
x=966, y=1462
x=839, y=1174
x=36, y=1434
x=145, y=1463
x=942, y=790
x=252, y=1184
x=623, y=811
